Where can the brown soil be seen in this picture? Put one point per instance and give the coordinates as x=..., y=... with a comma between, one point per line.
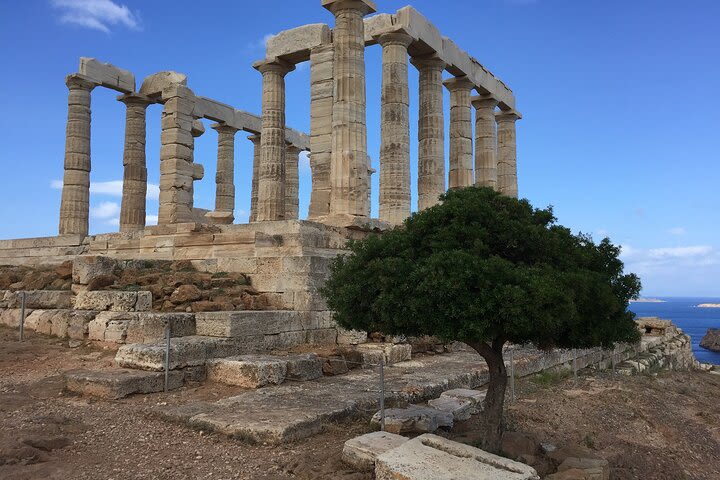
x=664, y=427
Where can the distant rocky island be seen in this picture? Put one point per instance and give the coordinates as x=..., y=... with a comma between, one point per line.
x=711, y=340
x=709, y=305
x=647, y=300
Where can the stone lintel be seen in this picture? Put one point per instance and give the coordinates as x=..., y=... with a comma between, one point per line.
x=294, y=45
x=364, y=6
x=108, y=75
x=80, y=81
x=154, y=84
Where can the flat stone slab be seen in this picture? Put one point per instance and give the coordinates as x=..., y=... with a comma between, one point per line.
x=187, y=351
x=114, y=301
x=361, y=452
x=304, y=367
x=249, y=371
x=414, y=418
x=120, y=383
x=429, y=457
x=475, y=397
x=460, y=409
x=288, y=412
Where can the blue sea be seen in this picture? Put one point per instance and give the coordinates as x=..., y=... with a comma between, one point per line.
x=685, y=314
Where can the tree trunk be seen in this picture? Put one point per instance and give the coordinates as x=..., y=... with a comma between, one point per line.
x=491, y=427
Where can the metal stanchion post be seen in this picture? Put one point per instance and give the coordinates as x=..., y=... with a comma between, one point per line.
x=167, y=355
x=22, y=316
x=382, y=394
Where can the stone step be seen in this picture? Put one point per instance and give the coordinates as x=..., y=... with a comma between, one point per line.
x=255, y=371
x=119, y=383
x=361, y=452
x=139, y=327
x=189, y=351
x=414, y=418
x=369, y=355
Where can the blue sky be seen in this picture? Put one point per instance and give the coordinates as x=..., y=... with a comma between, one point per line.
x=621, y=132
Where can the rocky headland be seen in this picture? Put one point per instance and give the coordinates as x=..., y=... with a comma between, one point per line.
x=711, y=340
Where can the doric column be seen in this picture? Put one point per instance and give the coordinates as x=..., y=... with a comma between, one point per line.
x=177, y=170
x=485, y=142
x=75, y=202
x=255, y=139
x=507, y=153
x=321, y=108
x=395, y=129
x=431, y=132
x=292, y=182
x=271, y=179
x=461, y=144
x=224, y=175
x=349, y=180
x=134, y=191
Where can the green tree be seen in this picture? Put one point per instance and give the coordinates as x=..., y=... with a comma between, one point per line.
x=486, y=269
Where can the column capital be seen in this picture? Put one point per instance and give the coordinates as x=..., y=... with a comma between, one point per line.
x=254, y=138
x=77, y=81
x=293, y=148
x=432, y=62
x=274, y=65
x=134, y=99
x=484, y=101
x=365, y=7
x=224, y=128
x=459, y=84
x=507, y=116
x=400, y=37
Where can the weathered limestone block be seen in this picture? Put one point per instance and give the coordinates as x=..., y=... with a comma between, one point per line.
x=114, y=301
x=294, y=45
x=460, y=409
x=430, y=457
x=75, y=201
x=242, y=324
x=303, y=367
x=430, y=40
x=78, y=323
x=431, y=132
x=349, y=179
x=88, y=267
x=414, y=418
x=31, y=319
x=108, y=75
x=361, y=452
x=249, y=371
x=395, y=129
x=391, y=353
x=507, y=182
x=117, y=384
x=154, y=84
x=461, y=144
x=351, y=337
x=475, y=397
x=271, y=173
x=485, y=142
x=149, y=327
x=39, y=299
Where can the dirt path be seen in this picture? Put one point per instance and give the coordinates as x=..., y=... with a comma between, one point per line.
x=665, y=427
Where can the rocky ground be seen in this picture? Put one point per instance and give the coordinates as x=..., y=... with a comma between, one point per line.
x=660, y=427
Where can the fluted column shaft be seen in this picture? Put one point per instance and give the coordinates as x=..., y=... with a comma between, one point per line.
x=431, y=132
x=75, y=201
x=292, y=182
x=485, y=142
x=461, y=144
x=225, y=172
x=395, y=129
x=134, y=191
x=271, y=178
x=507, y=153
x=349, y=179
x=255, y=139
x=321, y=111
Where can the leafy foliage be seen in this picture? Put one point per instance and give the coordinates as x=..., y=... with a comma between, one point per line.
x=480, y=266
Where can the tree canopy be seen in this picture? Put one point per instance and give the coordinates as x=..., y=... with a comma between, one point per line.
x=486, y=269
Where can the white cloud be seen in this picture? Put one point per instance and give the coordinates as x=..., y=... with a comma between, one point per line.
x=650, y=259
x=677, y=231
x=96, y=14
x=105, y=210
x=112, y=188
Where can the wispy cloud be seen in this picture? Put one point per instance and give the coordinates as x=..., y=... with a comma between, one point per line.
x=96, y=14
x=105, y=210
x=649, y=259
x=304, y=163
x=260, y=43
x=112, y=188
